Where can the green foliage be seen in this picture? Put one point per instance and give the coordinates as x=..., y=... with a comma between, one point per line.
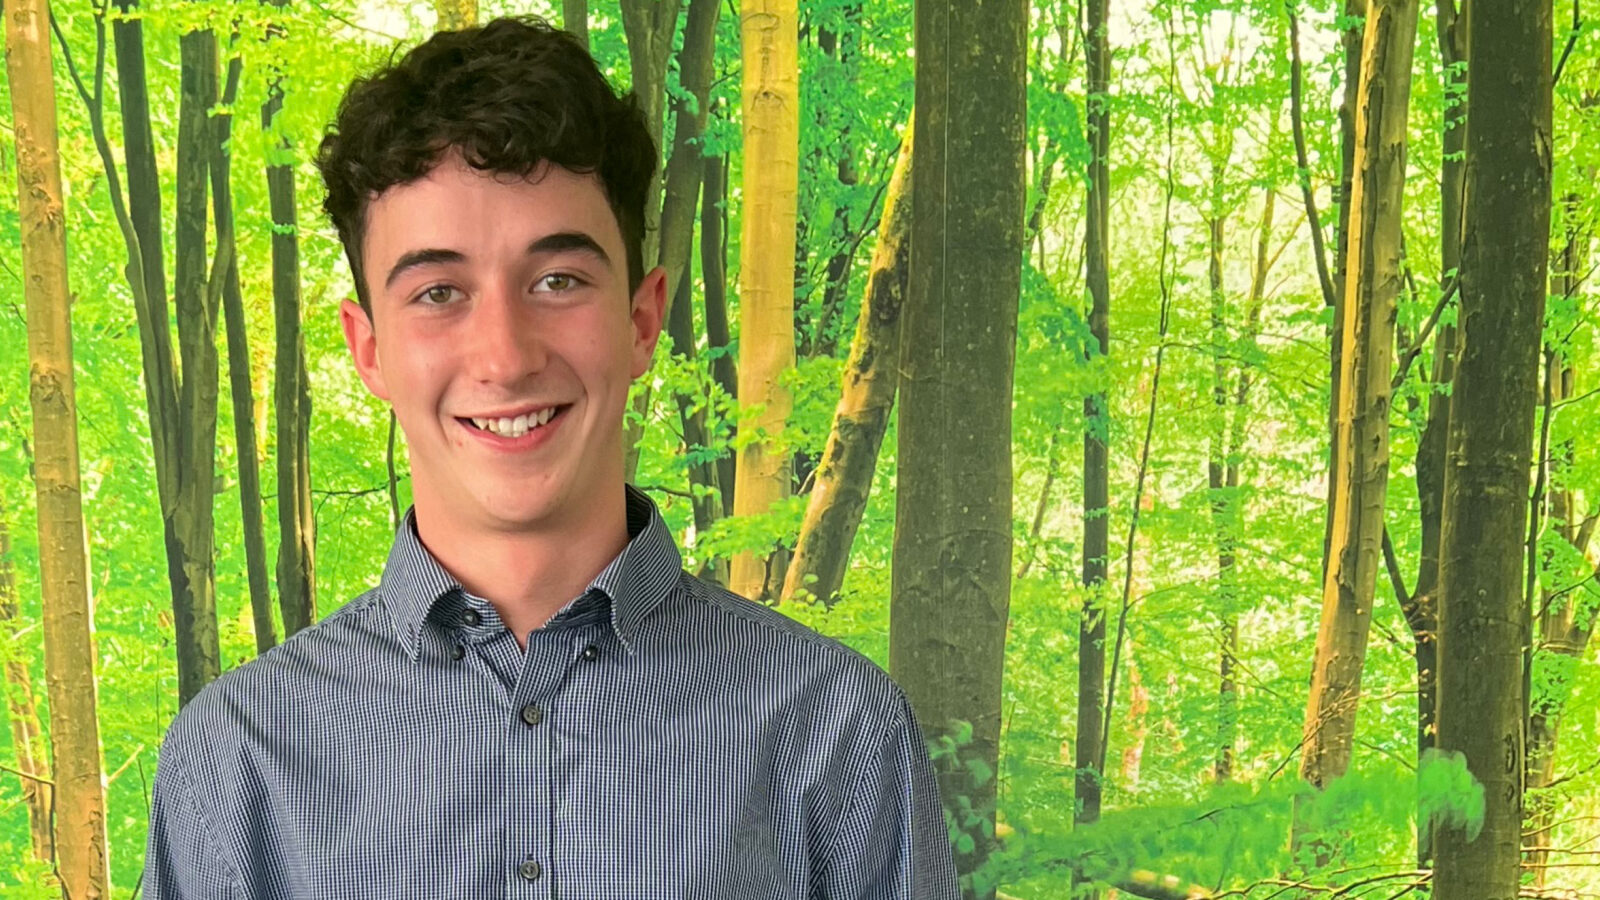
x=1448, y=794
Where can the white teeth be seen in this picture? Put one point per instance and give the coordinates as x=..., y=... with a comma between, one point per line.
x=515, y=428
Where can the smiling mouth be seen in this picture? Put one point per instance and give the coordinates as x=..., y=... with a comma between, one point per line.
x=515, y=427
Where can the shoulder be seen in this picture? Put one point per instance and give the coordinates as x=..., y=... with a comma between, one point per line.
x=289, y=678
x=759, y=643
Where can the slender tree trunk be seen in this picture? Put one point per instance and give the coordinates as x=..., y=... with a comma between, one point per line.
x=290, y=386
x=1370, y=290
x=649, y=25
x=1351, y=41
x=687, y=162
x=27, y=733
x=1482, y=616
x=692, y=412
x=80, y=803
x=240, y=389
x=766, y=292
x=713, y=277
x=1089, y=745
x=575, y=19
x=1564, y=628
x=144, y=213
x=1223, y=497
x=199, y=652
x=952, y=537
x=1422, y=611
x=871, y=374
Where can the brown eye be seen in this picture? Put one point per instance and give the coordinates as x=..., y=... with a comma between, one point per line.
x=557, y=282
x=438, y=295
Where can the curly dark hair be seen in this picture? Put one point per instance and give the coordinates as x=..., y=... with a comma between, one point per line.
x=509, y=96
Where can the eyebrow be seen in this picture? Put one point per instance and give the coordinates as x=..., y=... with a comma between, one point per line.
x=551, y=243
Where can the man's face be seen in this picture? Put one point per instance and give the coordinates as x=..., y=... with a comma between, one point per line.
x=504, y=336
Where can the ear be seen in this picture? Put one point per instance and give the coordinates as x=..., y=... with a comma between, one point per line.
x=363, y=343
x=647, y=310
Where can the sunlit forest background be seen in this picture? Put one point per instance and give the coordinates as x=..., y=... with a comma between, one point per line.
x=1126, y=702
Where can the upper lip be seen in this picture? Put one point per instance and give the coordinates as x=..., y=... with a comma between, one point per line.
x=515, y=412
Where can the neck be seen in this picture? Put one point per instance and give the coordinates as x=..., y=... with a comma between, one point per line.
x=527, y=576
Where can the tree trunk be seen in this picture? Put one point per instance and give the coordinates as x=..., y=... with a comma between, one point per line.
x=240, y=389
x=692, y=413
x=1351, y=41
x=649, y=25
x=194, y=579
x=454, y=15
x=687, y=161
x=951, y=573
x=27, y=734
x=1422, y=611
x=1564, y=628
x=714, y=279
x=144, y=214
x=849, y=461
x=1482, y=616
x=1089, y=745
x=766, y=292
x=575, y=19
x=1223, y=498
x=290, y=387
x=80, y=803
x=1371, y=286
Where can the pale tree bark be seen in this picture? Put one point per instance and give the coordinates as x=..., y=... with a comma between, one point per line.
x=575, y=19
x=843, y=480
x=1482, y=615
x=27, y=733
x=454, y=15
x=771, y=101
x=1371, y=286
x=290, y=386
x=80, y=803
x=1351, y=41
x=951, y=571
x=1089, y=746
x=649, y=25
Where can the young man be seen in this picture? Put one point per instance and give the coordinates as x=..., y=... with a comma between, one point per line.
x=536, y=700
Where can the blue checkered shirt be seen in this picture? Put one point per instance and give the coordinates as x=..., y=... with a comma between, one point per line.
x=659, y=738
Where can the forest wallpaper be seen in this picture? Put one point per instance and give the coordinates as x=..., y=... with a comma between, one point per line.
x=1186, y=406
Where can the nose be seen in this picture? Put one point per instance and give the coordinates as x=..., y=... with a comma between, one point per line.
x=506, y=343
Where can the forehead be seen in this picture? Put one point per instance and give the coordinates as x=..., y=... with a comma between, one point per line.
x=483, y=214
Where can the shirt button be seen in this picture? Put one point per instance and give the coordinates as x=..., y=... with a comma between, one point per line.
x=530, y=870
x=471, y=617
x=533, y=715
x=591, y=652
x=457, y=652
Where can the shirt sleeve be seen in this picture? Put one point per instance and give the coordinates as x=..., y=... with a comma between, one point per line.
x=182, y=860
x=892, y=843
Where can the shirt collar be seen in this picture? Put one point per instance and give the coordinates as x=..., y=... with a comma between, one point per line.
x=636, y=581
